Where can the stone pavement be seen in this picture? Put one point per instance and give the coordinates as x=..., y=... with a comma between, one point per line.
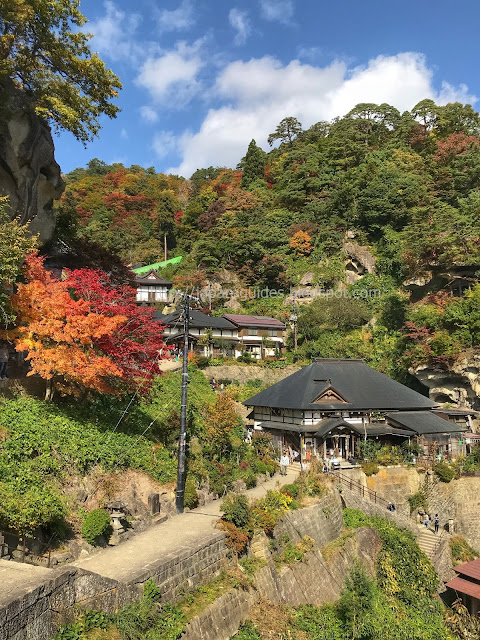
x=136, y=555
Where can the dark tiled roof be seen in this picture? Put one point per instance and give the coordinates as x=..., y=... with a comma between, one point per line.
x=327, y=425
x=198, y=320
x=254, y=321
x=382, y=429
x=424, y=422
x=362, y=387
x=456, y=412
x=284, y=426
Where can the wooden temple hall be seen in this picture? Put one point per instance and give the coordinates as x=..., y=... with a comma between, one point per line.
x=327, y=407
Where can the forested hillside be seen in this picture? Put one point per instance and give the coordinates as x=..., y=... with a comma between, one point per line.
x=400, y=188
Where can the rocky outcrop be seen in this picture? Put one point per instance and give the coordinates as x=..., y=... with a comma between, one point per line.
x=29, y=174
x=359, y=261
x=459, y=384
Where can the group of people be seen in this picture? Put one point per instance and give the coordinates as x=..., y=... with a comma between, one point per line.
x=427, y=522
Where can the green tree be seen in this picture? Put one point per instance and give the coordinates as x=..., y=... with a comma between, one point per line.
x=286, y=131
x=253, y=164
x=15, y=243
x=45, y=54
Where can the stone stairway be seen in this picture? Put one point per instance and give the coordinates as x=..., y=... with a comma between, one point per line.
x=428, y=541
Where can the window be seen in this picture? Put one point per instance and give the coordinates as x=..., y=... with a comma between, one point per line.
x=252, y=331
x=276, y=413
x=272, y=333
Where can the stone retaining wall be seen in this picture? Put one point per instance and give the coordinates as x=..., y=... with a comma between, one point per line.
x=37, y=614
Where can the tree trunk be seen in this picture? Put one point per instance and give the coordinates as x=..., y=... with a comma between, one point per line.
x=49, y=390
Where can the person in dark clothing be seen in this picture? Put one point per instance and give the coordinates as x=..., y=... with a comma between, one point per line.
x=391, y=507
x=436, y=522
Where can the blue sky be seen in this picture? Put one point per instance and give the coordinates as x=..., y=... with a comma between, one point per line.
x=201, y=78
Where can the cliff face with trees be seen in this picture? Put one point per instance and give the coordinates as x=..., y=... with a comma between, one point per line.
x=379, y=204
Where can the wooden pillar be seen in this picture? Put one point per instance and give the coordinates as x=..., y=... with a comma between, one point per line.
x=324, y=449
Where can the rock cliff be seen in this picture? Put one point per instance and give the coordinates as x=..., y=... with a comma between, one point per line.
x=29, y=174
x=460, y=384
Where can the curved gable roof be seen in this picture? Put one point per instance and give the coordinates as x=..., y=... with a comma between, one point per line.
x=361, y=386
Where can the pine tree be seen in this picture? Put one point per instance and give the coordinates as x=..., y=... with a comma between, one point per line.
x=253, y=164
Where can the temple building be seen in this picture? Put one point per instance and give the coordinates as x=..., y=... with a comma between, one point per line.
x=326, y=408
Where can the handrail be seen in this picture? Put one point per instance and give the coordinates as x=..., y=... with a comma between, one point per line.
x=365, y=491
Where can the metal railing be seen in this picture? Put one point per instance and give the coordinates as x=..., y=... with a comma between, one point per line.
x=364, y=491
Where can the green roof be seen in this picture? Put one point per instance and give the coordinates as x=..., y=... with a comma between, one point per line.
x=157, y=265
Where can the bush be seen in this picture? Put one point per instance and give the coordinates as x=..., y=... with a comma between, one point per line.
x=191, y=495
x=461, y=550
x=247, y=631
x=444, y=471
x=250, y=480
x=97, y=525
x=235, y=509
x=370, y=468
x=234, y=538
x=202, y=362
x=292, y=490
x=418, y=500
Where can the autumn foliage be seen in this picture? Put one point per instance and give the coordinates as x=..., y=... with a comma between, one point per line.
x=82, y=332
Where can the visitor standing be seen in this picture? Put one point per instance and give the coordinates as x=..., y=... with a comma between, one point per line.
x=3, y=360
x=284, y=462
x=436, y=522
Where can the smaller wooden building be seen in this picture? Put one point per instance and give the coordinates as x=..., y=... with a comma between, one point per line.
x=467, y=585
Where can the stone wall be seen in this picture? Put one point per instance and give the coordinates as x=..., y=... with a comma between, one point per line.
x=249, y=372
x=36, y=614
x=323, y=521
x=318, y=580
x=222, y=619
x=393, y=483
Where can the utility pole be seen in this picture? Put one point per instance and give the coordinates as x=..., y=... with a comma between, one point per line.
x=294, y=318
x=165, y=246
x=181, y=471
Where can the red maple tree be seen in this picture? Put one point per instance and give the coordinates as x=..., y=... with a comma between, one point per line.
x=84, y=332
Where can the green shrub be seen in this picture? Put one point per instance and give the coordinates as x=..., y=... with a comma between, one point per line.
x=291, y=554
x=418, y=500
x=370, y=468
x=97, y=525
x=461, y=550
x=202, y=362
x=236, y=510
x=247, y=631
x=250, y=480
x=191, y=495
x=444, y=471
x=291, y=489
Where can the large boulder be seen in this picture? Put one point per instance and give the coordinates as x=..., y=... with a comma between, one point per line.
x=29, y=174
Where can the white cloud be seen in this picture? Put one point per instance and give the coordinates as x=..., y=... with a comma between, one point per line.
x=114, y=33
x=173, y=75
x=257, y=94
x=164, y=142
x=148, y=114
x=124, y=133
x=178, y=19
x=240, y=22
x=277, y=10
